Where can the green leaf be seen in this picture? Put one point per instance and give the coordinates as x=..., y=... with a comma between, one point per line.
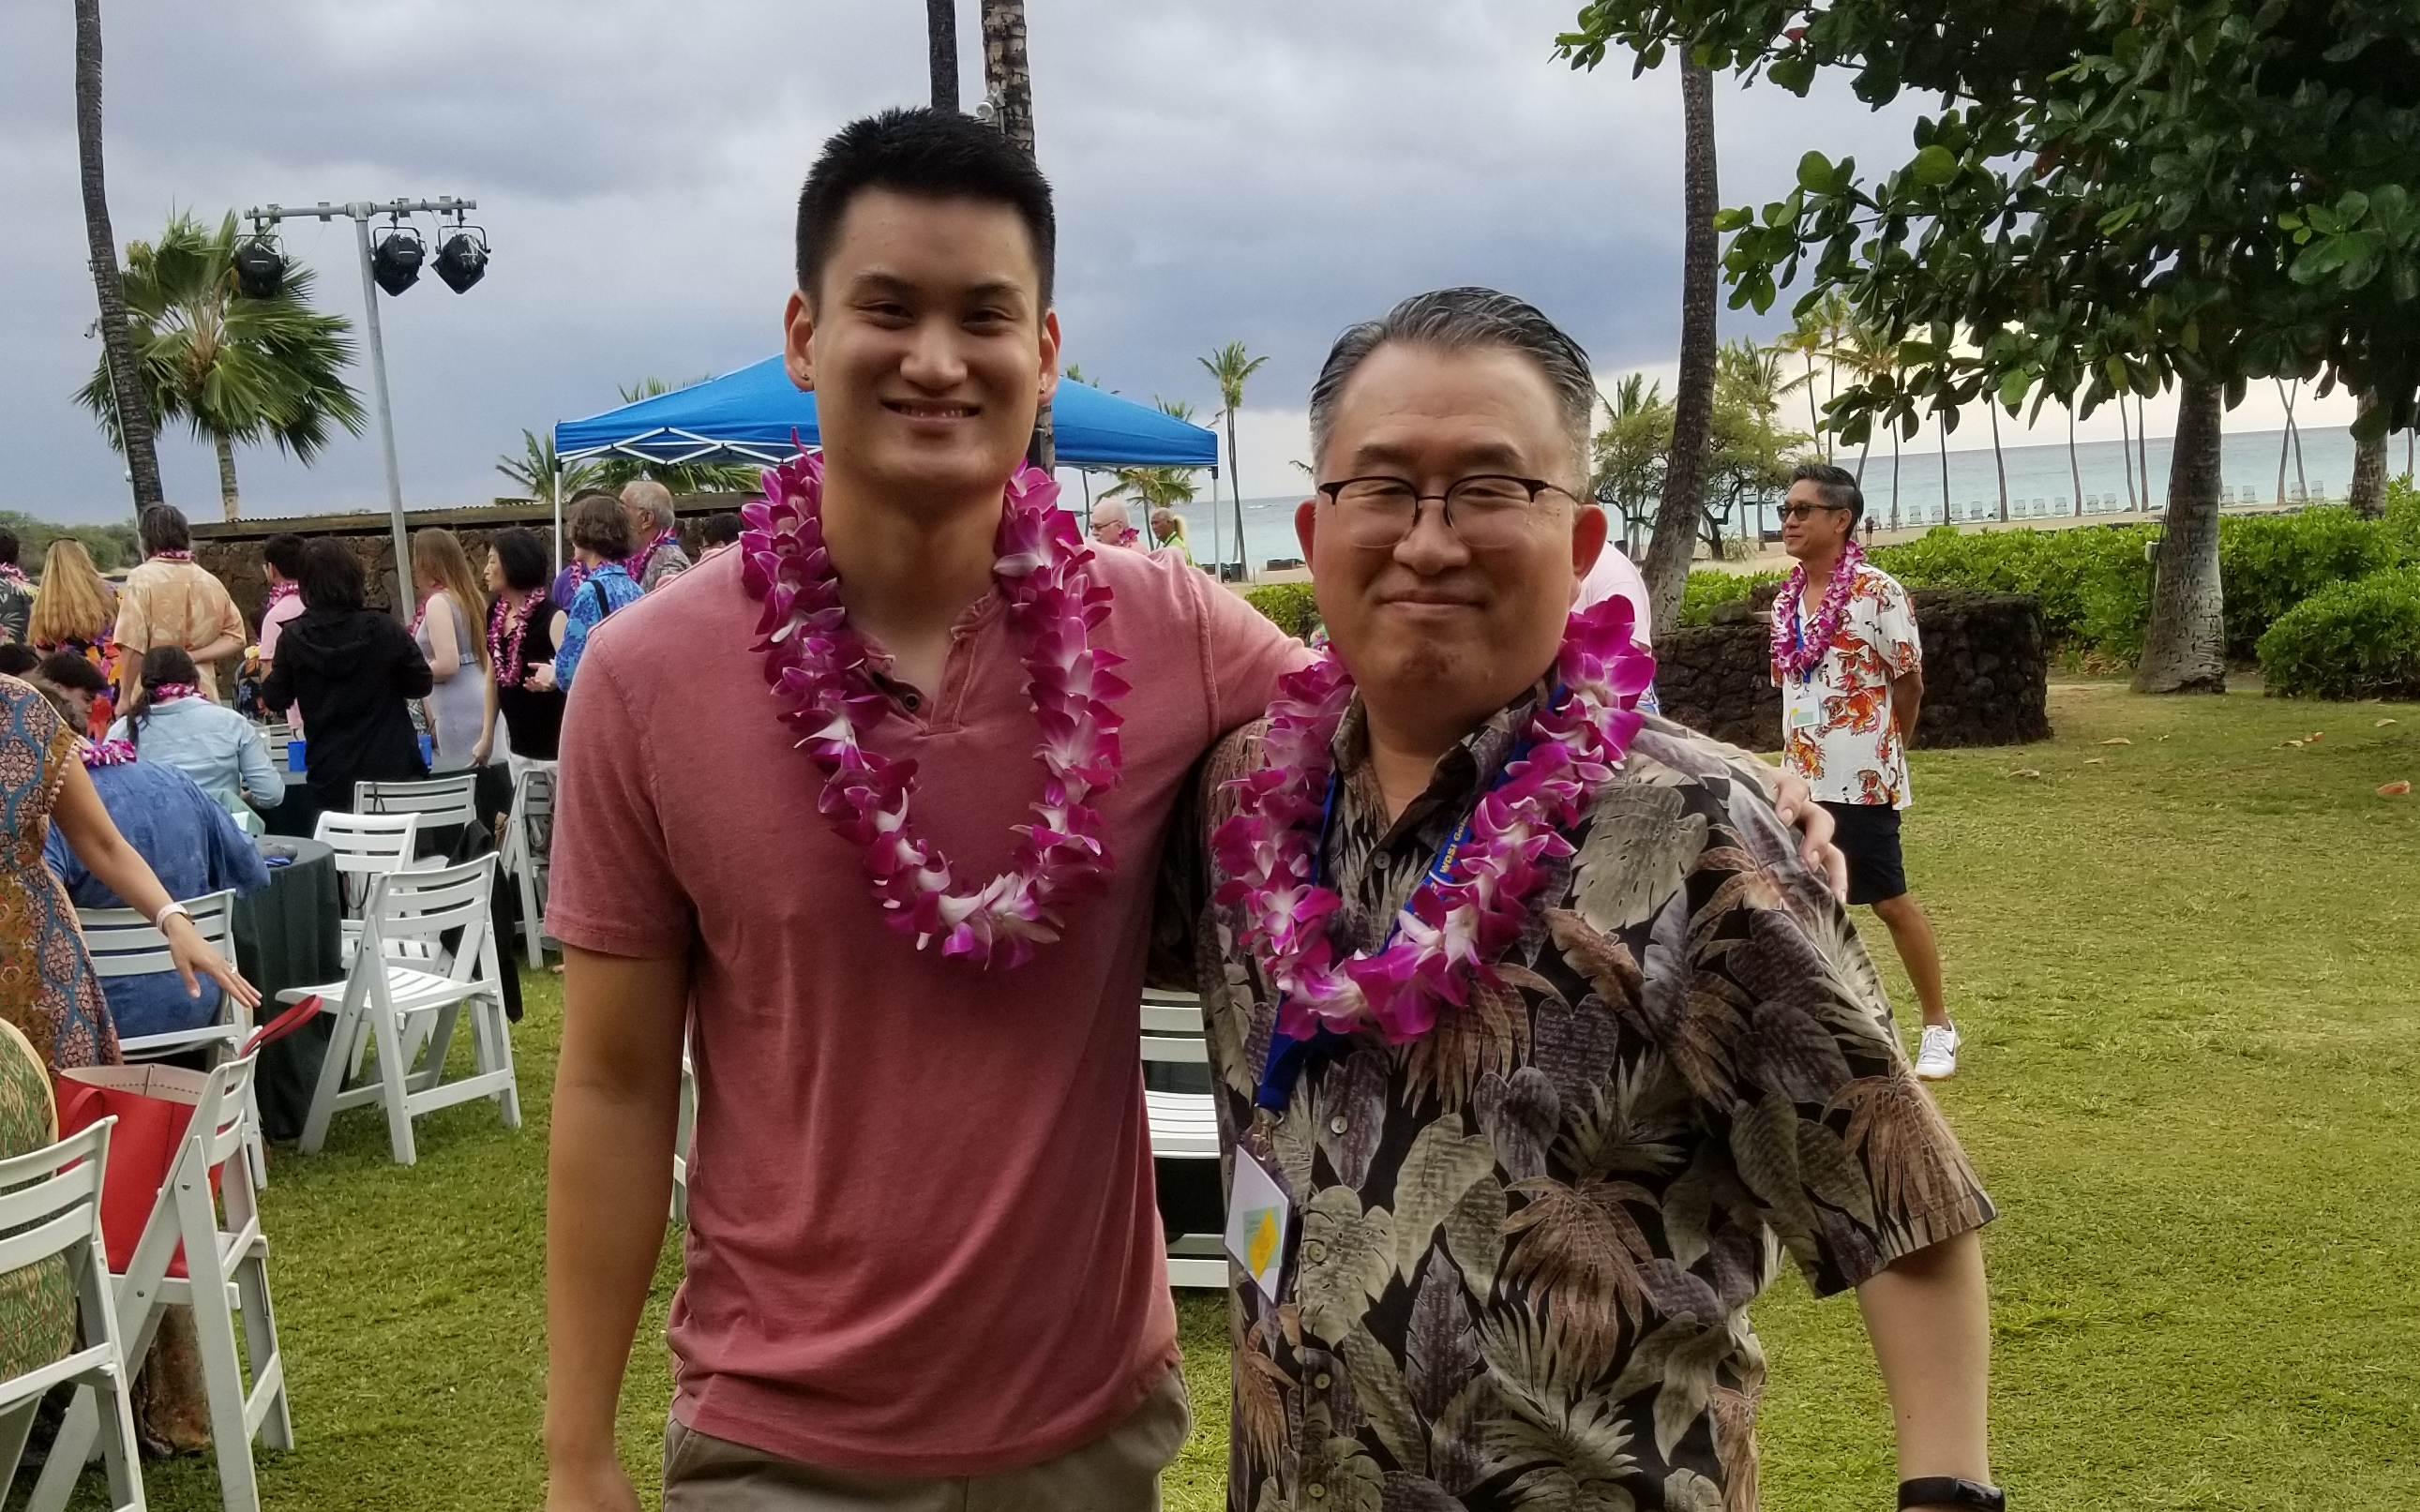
x=1815, y=173
x=2352, y=207
x=1934, y=166
x=1731, y=219
x=1792, y=74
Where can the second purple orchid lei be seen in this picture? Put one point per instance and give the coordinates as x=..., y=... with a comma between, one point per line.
x=1451, y=930
x=816, y=667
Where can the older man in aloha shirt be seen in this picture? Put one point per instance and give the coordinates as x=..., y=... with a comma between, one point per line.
x=1842, y=736
x=1526, y=1243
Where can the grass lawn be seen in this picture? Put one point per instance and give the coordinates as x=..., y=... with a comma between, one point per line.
x=2185, y=967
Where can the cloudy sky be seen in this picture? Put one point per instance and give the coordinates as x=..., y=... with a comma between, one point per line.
x=1259, y=170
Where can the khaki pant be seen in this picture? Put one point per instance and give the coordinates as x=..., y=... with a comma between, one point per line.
x=1118, y=1471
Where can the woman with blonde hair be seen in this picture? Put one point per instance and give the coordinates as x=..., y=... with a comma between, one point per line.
x=74, y=610
x=445, y=629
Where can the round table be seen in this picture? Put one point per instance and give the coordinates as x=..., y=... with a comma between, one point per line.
x=290, y=934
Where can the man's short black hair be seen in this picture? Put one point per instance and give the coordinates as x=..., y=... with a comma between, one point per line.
x=722, y=530
x=1836, y=486
x=17, y=659
x=163, y=527
x=930, y=154
x=71, y=670
x=331, y=576
x=10, y=546
x=284, y=551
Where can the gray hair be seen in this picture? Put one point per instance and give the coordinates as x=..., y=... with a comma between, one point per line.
x=651, y=498
x=1462, y=319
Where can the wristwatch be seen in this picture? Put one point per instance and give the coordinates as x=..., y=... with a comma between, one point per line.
x=1949, y=1491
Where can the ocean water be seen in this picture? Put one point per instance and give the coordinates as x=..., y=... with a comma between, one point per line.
x=2041, y=481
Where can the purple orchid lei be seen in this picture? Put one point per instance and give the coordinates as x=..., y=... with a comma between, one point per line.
x=817, y=666
x=105, y=752
x=1452, y=929
x=1793, y=654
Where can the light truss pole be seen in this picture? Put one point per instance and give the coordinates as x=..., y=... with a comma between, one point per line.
x=361, y=213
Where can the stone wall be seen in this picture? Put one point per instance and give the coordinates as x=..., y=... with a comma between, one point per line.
x=1986, y=671
x=231, y=551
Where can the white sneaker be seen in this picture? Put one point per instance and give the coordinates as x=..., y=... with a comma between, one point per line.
x=1936, y=1054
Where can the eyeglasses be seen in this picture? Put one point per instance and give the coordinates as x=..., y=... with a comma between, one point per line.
x=1486, y=510
x=1802, y=511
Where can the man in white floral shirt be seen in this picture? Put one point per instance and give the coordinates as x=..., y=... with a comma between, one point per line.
x=1851, y=675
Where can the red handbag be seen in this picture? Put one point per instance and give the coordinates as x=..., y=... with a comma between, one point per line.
x=152, y=1104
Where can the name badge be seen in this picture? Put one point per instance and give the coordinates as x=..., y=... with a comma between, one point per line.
x=1806, y=713
x=1259, y=1215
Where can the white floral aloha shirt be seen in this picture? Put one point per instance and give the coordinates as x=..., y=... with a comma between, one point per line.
x=1526, y=1243
x=1838, y=731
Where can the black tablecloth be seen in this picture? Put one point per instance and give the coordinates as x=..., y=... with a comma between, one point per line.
x=289, y=934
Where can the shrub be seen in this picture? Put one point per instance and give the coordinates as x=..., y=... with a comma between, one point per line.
x=2349, y=640
x=2093, y=582
x=1291, y=606
x=2402, y=522
x=2268, y=563
x=1710, y=586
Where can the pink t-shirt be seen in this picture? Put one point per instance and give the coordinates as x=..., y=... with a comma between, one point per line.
x=922, y=1233
x=273, y=622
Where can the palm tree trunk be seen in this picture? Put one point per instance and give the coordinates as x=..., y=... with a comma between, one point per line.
x=2074, y=468
x=1894, y=525
x=2126, y=454
x=2294, y=432
x=1999, y=463
x=1945, y=472
x=2367, y=491
x=942, y=52
x=226, y=474
x=2184, y=649
x=1684, y=501
x=1235, y=491
x=1009, y=82
x=1814, y=416
x=2143, y=449
x=2284, y=440
x=135, y=426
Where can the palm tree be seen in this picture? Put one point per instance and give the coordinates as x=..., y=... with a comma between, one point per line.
x=2126, y=459
x=2366, y=493
x=1868, y=354
x=2076, y=468
x=132, y=406
x=1630, y=451
x=2000, y=463
x=1684, y=501
x=942, y=52
x=234, y=367
x=540, y=474
x=1230, y=365
x=1008, y=86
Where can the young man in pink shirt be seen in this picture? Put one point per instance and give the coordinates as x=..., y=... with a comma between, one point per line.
x=923, y=1264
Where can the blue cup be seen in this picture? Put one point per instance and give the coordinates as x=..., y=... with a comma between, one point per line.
x=294, y=766
x=428, y=751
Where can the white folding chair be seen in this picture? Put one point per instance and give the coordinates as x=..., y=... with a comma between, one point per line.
x=189, y=1256
x=394, y=1006
x=367, y=847
x=124, y=944
x=437, y=802
x=49, y=1206
x=1183, y=1122
x=684, y=1135
x=528, y=853
x=275, y=734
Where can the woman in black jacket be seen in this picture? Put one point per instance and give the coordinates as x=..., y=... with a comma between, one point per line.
x=355, y=671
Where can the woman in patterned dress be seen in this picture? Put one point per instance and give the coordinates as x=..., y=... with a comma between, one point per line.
x=47, y=986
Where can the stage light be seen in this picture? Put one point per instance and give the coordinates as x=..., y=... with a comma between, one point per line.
x=260, y=272
x=462, y=258
x=396, y=264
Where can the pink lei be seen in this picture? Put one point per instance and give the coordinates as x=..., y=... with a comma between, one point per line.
x=818, y=668
x=1471, y=908
x=1796, y=653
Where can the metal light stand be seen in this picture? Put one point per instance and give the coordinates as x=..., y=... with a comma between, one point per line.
x=361, y=213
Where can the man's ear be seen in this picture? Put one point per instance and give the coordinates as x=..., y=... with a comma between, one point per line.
x=1588, y=544
x=1049, y=357
x=1305, y=526
x=797, y=339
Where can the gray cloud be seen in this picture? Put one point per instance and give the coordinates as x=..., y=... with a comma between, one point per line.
x=1259, y=170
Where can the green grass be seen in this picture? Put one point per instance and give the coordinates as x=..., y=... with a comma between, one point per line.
x=2186, y=970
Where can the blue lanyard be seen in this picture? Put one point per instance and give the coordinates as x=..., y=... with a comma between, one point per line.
x=1289, y=1057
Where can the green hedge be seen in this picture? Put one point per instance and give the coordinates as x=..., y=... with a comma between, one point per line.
x=2349, y=640
x=2094, y=583
x=2268, y=563
x=1710, y=586
x=1291, y=606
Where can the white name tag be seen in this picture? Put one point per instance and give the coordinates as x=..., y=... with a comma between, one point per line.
x=1805, y=709
x=1258, y=1214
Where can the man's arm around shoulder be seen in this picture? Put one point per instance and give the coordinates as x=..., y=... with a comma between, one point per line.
x=608, y=1191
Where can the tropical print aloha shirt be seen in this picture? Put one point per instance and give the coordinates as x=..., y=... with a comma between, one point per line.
x=1526, y=1243
x=1838, y=730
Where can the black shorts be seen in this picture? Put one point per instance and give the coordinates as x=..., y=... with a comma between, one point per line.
x=1867, y=835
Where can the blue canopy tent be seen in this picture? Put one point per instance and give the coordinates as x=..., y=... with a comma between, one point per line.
x=751, y=416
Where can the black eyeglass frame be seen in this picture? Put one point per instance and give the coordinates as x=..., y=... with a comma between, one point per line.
x=1802, y=510
x=1534, y=486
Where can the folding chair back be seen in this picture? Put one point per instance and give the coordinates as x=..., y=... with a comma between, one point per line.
x=438, y=800
x=49, y=1209
x=528, y=853
x=425, y=906
x=275, y=734
x=367, y=846
x=124, y=944
x=1184, y=1120
x=189, y=1256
